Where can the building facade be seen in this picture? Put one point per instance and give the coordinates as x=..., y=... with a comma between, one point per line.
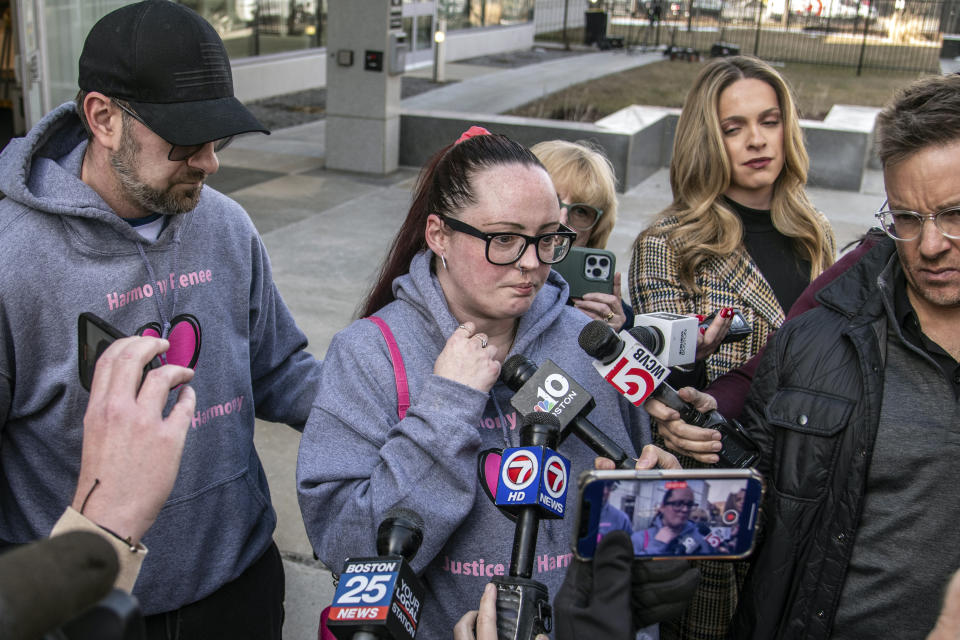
x=275, y=46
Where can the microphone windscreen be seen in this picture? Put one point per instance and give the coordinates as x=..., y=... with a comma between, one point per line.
x=516, y=370
x=47, y=583
x=542, y=417
x=400, y=533
x=599, y=340
x=540, y=428
x=646, y=337
x=408, y=517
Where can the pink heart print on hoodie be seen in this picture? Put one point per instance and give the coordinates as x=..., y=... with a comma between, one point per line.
x=184, y=340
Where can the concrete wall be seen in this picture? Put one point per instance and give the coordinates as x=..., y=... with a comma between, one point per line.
x=470, y=43
x=634, y=156
x=639, y=140
x=273, y=75
x=837, y=156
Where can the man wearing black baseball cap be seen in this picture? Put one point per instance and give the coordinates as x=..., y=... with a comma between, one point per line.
x=106, y=212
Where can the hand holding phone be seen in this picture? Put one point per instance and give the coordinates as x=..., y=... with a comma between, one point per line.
x=616, y=594
x=94, y=335
x=692, y=513
x=131, y=453
x=739, y=327
x=606, y=307
x=594, y=599
x=588, y=270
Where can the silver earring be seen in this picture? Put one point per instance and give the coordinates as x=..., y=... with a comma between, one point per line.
x=443, y=260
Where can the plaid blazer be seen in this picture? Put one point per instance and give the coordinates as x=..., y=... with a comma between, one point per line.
x=728, y=281
x=725, y=281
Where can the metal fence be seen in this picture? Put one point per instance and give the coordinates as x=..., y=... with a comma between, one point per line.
x=878, y=34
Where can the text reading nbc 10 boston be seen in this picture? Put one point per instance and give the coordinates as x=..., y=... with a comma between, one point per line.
x=534, y=476
x=381, y=592
x=549, y=390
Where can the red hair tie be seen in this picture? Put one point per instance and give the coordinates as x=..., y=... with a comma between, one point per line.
x=471, y=132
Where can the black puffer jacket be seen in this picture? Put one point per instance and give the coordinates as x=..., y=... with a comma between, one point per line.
x=814, y=409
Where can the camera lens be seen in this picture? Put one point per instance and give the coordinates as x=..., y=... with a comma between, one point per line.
x=591, y=261
x=604, y=262
x=596, y=273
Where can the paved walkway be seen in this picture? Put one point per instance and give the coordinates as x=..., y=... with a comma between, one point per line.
x=499, y=92
x=326, y=232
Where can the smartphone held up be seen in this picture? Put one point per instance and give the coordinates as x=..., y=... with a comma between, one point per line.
x=588, y=270
x=703, y=513
x=94, y=335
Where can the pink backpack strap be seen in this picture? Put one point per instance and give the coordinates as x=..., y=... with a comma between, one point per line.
x=399, y=372
x=323, y=632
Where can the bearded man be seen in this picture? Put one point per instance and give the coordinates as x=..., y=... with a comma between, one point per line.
x=106, y=212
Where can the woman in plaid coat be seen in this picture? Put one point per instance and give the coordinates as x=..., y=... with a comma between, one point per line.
x=740, y=234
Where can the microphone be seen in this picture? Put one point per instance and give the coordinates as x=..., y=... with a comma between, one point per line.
x=550, y=389
x=523, y=604
x=629, y=366
x=535, y=476
x=381, y=597
x=671, y=337
x=52, y=581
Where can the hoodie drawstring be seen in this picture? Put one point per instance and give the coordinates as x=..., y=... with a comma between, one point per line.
x=503, y=421
x=164, y=319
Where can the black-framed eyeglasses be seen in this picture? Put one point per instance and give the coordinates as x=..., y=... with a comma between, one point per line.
x=178, y=152
x=505, y=248
x=581, y=216
x=906, y=225
x=681, y=504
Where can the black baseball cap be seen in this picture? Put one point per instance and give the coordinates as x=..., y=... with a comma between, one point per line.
x=171, y=66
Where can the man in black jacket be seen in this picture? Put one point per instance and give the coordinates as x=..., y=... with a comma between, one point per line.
x=855, y=407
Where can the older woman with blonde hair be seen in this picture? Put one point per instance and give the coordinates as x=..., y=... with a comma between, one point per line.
x=741, y=235
x=587, y=187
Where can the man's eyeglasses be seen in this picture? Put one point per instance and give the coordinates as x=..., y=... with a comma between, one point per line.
x=178, y=152
x=580, y=216
x=907, y=225
x=681, y=504
x=506, y=248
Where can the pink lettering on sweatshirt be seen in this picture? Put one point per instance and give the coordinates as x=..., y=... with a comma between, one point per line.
x=202, y=417
x=494, y=423
x=484, y=568
x=117, y=299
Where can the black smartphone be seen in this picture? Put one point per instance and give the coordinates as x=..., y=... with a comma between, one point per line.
x=695, y=513
x=739, y=327
x=94, y=335
x=587, y=270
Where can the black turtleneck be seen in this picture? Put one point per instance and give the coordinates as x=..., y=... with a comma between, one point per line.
x=774, y=254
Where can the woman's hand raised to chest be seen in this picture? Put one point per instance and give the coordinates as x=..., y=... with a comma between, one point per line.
x=469, y=359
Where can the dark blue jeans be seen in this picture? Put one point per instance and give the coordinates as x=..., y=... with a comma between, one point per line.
x=249, y=607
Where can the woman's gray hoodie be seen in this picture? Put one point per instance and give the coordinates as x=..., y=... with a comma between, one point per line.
x=358, y=460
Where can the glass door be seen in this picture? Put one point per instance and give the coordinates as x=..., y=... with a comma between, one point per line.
x=419, y=18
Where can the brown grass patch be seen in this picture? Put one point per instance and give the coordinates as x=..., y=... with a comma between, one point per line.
x=665, y=84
